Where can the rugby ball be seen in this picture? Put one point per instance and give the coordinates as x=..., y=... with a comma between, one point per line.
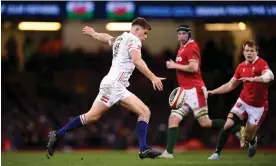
x=177, y=98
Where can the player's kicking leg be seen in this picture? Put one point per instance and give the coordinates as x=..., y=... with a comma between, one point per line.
x=91, y=116
x=134, y=104
x=232, y=120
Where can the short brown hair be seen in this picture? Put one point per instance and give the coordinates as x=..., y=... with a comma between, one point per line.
x=250, y=43
x=141, y=22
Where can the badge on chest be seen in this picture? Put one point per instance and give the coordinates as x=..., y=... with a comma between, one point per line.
x=249, y=71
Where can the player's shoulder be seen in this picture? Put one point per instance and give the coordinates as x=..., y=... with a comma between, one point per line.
x=261, y=61
x=192, y=44
x=132, y=37
x=242, y=64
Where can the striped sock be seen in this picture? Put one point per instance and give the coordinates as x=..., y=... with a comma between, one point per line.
x=142, y=128
x=75, y=123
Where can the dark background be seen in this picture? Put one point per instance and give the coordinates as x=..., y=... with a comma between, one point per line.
x=44, y=84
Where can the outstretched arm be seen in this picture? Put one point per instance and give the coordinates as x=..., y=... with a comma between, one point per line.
x=103, y=37
x=143, y=68
x=225, y=88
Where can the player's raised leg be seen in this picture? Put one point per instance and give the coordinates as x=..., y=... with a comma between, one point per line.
x=133, y=103
x=203, y=119
x=197, y=99
x=206, y=122
x=96, y=111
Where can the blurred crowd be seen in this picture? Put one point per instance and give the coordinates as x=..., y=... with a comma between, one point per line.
x=57, y=84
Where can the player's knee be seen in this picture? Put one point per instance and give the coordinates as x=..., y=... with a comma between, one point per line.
x=144, y=112
x=228, y=125
x=248, y=137
x=174, y=120
x=90, y=118
x=232, y=120
x=205, y=123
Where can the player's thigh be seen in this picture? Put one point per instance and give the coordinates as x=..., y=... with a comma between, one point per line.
x=134, y=104
x=111, y=94
x=256, y=115
x=176, y=116
x=250, y=130
x=239, y=109
x=108, y=95
x=96, y=111
x=196, y=98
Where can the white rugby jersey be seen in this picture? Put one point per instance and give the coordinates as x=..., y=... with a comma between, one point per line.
x=122, y=65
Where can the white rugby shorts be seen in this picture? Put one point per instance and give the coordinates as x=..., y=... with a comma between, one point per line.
x=195, y=101
x=109, y=94
x=255, y=115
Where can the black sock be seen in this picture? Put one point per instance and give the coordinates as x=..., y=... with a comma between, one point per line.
x=236, y=129
x=253, y=141
x=223, y=137
x=217, y=123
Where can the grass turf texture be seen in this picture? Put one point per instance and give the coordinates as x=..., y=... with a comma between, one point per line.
x=123, y=158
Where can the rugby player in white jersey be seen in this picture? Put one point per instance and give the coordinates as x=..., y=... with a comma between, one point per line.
x=126, y=56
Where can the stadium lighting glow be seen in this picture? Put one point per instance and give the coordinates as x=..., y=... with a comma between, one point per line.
x=242, y=26
x=225, y=26
x=39, y=26
x=118, y=26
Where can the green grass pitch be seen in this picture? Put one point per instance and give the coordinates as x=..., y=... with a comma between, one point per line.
x=124, y=158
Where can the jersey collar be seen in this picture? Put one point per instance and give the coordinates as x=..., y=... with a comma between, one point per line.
x=188, y=42
x=133, y=35
x=257, y=57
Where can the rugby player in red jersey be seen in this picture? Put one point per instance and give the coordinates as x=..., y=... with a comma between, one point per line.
x=255, y=74
x=188, y=74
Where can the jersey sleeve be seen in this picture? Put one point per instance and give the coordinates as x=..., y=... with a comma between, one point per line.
x=134, y=44
x=263, y=66
x=193, y=53
x=111, y=41
x=237, y=73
